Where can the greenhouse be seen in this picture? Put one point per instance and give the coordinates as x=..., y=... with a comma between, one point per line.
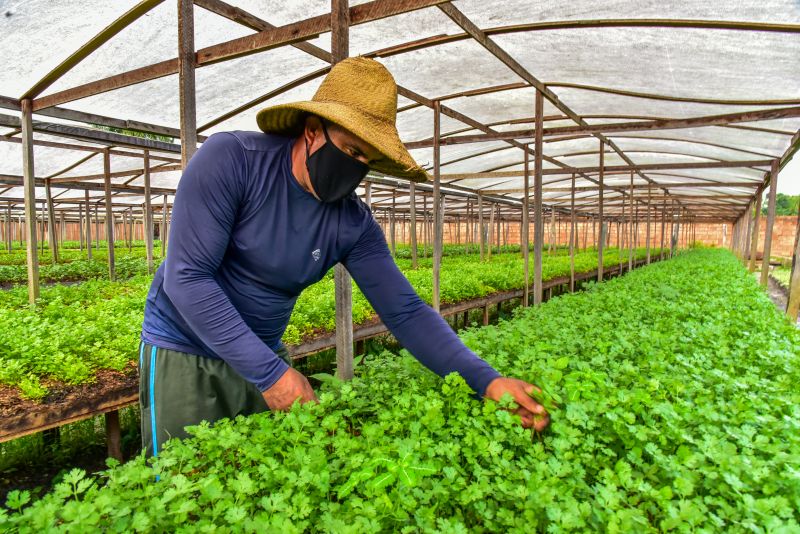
x=399, y=266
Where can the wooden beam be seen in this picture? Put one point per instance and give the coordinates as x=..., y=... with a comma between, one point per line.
x=29, y=184
x=250, y=44
x=648, y=186
x=615, y=127
x=93, y=44
x=93, y=135
x=16, y=180
x=118, y=174
x=619, y=169
x=773, y=190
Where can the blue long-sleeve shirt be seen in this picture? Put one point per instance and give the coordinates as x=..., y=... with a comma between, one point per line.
x=246, y=239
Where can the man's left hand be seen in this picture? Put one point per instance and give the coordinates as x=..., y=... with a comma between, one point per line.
x=532, y=413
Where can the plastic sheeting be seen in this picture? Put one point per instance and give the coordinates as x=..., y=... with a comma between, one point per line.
x=722, y=66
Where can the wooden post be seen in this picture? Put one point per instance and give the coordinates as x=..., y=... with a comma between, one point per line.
x=485, y=314
x=130, y=229
x=793, y=302
x=773, y=190
x=393, y=225
x=340, y=49
x=28, y=180
x=525, y=228
x=88, y=225
x=62, y=230
x=109, y=213
x=663, y=229
x=148, y=214
x=412, y=199
x=490, y=231
x=630, y=230
x=9, y=228
x=600, y=216
x=424, y=225
x=52, y=241
x=113, y=435
x=438, y=215
x=538, y=222
x=42, y=230
x=164, y=227
x=754, y=239
x=498, y=229
x=480, y=223
x=572, y=238
x=186, y=65
x=647, y=242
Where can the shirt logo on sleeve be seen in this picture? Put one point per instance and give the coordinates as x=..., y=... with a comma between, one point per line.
x=316, y=255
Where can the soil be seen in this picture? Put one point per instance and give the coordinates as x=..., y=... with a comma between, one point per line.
x=62, y=395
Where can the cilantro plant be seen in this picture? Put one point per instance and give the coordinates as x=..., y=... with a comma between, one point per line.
x=76, y=330
x=678, y=411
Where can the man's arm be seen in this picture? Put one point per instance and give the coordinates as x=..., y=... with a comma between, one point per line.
x=423, y=332
x=208, y=199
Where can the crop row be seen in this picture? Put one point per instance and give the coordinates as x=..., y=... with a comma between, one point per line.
x=76, y=330
x=678, y=410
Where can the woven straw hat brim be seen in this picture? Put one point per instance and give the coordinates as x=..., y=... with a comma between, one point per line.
x=285, y=119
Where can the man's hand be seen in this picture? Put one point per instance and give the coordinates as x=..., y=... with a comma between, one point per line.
x=290, y=387
x=532, y=413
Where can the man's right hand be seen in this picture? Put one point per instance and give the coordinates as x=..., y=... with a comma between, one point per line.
x=290, y=387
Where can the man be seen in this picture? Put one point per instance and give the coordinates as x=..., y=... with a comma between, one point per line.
x=257, y=218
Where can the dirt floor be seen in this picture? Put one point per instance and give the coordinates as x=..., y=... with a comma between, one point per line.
x=778, y=294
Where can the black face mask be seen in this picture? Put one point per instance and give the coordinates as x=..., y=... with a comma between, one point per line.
x=334, y=174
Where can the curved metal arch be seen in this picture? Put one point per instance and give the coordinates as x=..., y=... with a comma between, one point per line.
x=420, y=44
x=610, y=90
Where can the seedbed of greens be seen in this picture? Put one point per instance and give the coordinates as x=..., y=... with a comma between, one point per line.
x=76, y=330
x=678, y=412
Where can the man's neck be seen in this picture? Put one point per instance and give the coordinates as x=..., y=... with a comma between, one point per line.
x=299, y=169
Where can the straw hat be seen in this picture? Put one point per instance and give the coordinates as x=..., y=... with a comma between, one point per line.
x=360, y=95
